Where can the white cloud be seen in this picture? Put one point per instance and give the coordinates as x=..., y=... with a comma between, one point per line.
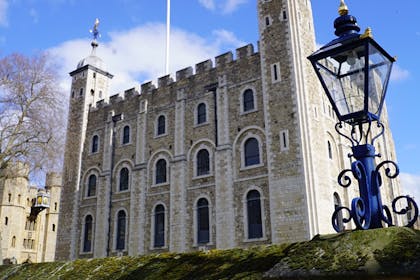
x=208, y=4
x=227, y=37
x=398, y=74
x=3, y=12
x=224, y=6
x=411, y=185
x=231, y=5
x=138, y=54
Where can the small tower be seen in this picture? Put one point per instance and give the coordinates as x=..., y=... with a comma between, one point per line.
x=89, y=85
x=53, y=185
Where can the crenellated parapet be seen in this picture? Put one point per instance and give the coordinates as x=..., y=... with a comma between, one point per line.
x=203, y=66
x=224, y=63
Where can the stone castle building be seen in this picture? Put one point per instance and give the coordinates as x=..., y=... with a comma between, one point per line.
x=28, y=228
x=232, y=153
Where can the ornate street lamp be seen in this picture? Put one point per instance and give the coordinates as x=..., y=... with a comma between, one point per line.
x=354, y=71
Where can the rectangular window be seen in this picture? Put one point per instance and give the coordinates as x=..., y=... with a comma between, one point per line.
x=284, y=140
x=275, y=72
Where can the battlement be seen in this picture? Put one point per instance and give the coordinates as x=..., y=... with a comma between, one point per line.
x=221, y=64
x=147, y=87
x=184, y=73
x=115, y=98
x=130, y=93
x=224, y=59
x=165, y=81
x=203, y=66
x=244, y=52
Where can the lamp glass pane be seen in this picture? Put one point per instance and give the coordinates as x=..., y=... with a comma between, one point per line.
x=379, y=67
x=343, y=74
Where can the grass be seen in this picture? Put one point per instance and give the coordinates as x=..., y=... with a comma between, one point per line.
x=375, y=253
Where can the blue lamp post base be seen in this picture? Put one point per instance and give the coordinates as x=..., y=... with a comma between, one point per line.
x=367, y=211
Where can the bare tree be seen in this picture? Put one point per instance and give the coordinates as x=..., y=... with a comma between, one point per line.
x=31, y=113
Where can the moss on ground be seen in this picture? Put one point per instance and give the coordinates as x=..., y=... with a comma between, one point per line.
x=382, y=252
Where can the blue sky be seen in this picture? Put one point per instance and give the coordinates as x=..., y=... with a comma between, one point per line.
x=133, y=40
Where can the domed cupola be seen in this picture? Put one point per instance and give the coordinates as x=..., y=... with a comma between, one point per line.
x=92, y=60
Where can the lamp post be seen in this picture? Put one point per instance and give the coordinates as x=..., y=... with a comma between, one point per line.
x=354, y=71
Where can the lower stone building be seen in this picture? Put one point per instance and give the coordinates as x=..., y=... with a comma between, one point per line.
x=28, y=217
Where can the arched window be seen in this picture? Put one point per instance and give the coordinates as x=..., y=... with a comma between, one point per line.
x=252, y=152
x=248, y=100
x=121, y=229
x=161, y=125
x=329, y=150
x=124, y=178
x=13, y=241
x=91, y=191
x=6, y=221
x=95, y=143
x=160, y=171
x=337, y=204
x=201, y=113
x=203, y=221
x=203, y=162
x=53, y=227
x=87, y=234
x=126, y=135
x=253, y=202
x=159, y=234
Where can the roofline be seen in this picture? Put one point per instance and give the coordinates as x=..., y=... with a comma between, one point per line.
x=96, y=69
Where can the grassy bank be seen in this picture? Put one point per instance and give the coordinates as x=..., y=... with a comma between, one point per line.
x=373, y=254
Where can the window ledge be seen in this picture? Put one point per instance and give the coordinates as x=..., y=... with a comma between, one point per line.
x=248, y=112
x=90, y=197
x=161, y=184
x=202, y=176
x=161, y=135
x=201, y=124
x=251, y=166
x=198, y=245
x=116, y=251
x=247, y=240
x=86, y=253
x=124, y=191
x=153, y=248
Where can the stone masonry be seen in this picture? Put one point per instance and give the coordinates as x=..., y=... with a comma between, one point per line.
x=299, y=152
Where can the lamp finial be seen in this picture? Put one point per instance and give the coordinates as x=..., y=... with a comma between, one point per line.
x=343, y=9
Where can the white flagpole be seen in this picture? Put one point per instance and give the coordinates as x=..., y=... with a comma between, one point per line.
x=168, y=30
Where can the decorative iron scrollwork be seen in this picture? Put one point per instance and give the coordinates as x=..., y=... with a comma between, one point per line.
x=367, y=211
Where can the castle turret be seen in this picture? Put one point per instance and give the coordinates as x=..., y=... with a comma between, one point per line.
x=89, y=84
x=291, y=93
x=53, y=187
x=13, y=195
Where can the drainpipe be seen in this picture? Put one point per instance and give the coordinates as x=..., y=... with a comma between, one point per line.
x=115, y=119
